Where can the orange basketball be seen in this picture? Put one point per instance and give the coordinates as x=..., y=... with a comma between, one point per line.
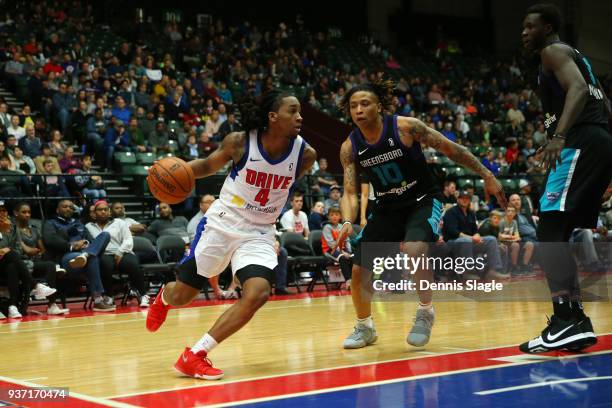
x=171, y=180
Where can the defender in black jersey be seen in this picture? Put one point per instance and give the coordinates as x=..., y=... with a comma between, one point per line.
x=577, y=156
x=408, y=202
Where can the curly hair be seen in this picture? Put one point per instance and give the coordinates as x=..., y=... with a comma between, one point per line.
x=382, y=88
x=254, y=111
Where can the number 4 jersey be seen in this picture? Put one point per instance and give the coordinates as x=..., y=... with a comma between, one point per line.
x=257, y=188
x=400, y=175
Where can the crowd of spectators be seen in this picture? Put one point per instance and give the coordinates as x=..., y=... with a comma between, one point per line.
x=85, y=103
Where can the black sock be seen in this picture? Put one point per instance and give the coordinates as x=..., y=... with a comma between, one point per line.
x=562, y=307
x=577, y=309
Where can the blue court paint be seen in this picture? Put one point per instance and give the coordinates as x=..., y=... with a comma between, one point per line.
x=459, y=390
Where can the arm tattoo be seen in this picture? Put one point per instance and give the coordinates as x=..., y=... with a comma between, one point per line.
x=460, y=155
x=421, y=132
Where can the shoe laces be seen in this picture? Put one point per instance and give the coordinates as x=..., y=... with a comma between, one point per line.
x=424, y=317
x=357, y=332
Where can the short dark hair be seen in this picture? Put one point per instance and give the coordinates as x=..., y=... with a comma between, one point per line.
x=296, y=194
x=549, y=14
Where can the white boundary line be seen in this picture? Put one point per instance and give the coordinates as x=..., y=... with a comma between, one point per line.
x=542, y=384
x=213, y=383
x=76, y=395
x=395, y=380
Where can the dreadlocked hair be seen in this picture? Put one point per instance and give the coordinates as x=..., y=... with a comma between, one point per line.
x=254, y=111
x=381, y=87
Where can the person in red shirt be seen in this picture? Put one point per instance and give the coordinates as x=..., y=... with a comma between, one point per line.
x=512, y=152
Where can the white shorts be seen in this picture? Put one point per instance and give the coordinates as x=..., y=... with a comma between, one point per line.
x=223, y=237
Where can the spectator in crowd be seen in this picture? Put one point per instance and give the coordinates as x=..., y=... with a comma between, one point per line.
x=69, y=244
x=205, y=202
x=117, y=139
x=5, y=117
x=489, y=162
x=15, y=129
x=514, y=115
x=136, y=228
x=449, y=193
x=64, y=104
x=317, y=216
x=323, y=179
x=118, y=255
x=449, y=133
x=137, y=136
x=12, y=183
x=31, y=144
x=97, y=126
x=461, y=232
x=530, y=201
x=295, y=219
x=57, y=145
x=12, y=268
x=229, y=126
x=32, y=252
x=527, y=233
x=539, y=136
x=586, y=238
x=159, y=139
x=213, y=124
x=45, y=156
x=121, y=111
x=490, y=226
x=341, y=255
x=49, y=184
x=190, y=151
x=205, y=145
x=334, y=198
x=68, y=161
x=23, y=163
x=91, y=186
x=168, y=224
x=509, y=236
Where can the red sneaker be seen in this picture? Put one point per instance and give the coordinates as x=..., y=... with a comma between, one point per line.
x=197, y=366
x=157, y=313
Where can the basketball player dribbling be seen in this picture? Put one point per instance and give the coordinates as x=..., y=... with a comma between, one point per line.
x=408, y=203
x=577, y=156
x=239, y=227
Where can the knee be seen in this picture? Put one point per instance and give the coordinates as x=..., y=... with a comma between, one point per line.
x=515, y=246
x=256, y=299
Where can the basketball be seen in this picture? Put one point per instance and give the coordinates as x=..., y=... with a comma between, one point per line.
x=171, y=180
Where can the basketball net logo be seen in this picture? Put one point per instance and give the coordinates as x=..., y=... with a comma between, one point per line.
x=391, y=142
x=290, y=166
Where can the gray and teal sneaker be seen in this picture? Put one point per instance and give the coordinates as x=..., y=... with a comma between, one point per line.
x=420, y=332
x=362, y=336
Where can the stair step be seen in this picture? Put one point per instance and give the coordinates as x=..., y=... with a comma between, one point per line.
x=117, y=189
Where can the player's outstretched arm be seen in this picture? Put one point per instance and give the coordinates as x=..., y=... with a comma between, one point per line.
x=232, y=148
x=349, y=203
x=413, y=130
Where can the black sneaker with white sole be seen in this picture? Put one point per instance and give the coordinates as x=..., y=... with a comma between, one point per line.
x=572, y=335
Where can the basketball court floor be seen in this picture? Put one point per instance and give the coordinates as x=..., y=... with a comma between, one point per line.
x=291, y=355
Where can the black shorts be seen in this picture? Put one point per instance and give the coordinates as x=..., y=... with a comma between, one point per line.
x=187, y=272
x=417, y=223
x=579, y=182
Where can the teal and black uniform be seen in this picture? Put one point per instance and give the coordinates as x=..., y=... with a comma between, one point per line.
x=407, y=206
x=579, y=182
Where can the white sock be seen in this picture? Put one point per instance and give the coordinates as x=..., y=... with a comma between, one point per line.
x=206, y=343
x=368, y=322
x=426, y=306
x=98, y=299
